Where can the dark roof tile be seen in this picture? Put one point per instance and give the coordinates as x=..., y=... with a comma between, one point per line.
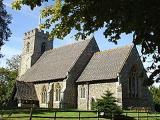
x=106, y=64
x=55, y=63
x=25, y=91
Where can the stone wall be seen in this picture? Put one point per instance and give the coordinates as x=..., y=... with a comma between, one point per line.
x=35, y=38
x=120, y=88
x=70, y=94
x=95, y=91
x=144, y=97
x=50, y=87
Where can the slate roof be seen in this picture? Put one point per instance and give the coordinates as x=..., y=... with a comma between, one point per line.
x=106, y=64
x=25, y=91
x=56, y=63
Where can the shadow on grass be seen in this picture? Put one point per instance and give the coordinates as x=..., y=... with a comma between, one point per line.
x=27, y=111
x=122, y=117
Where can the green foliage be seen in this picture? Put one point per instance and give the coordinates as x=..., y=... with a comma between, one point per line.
x=156, y=97
x=14, y=63
x=107, y=104
x=139, y=17
x=155, y=94
x=7, y=83
x=5, y=20
x=7, y=80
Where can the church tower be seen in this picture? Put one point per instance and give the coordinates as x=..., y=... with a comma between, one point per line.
x=35, y=44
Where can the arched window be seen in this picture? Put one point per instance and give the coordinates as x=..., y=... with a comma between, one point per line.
x=28, y=47
x=57, y=92
x=133, y=83
x=82, y=91
x=44, y=95
x=43, y=47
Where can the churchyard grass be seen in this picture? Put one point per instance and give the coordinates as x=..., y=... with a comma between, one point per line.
x=142, y=115
x=23, y=114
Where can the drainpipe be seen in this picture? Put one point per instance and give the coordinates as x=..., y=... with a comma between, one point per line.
x=87, y=95
x=118, y=92
x=62, y=102
x=118, y=77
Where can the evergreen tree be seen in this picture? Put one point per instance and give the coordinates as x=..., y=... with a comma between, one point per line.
x=5, y=20
x=107, y=104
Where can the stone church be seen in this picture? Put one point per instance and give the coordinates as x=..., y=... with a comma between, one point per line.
x=75, y=75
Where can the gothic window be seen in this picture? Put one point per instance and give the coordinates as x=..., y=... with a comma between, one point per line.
x=133, y=83
x=57, y=92
x=82, y=91
x=28, y=47
x=43, y=47
x=44, y=95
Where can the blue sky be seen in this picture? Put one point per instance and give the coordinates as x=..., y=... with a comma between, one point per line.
x=26, y=19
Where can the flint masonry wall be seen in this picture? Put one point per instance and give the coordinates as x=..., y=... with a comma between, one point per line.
x=144, y=97
x=94, y=91
x=31, y=54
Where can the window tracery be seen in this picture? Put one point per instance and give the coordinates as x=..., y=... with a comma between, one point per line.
x=82, y=91
x=44, y=95
x=57, y=92
x=133, y=83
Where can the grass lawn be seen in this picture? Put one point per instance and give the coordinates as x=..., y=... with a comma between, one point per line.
x=142, y=115
x=23, y=114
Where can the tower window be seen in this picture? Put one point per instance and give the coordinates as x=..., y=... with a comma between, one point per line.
x=43, y=47
x=28, y=47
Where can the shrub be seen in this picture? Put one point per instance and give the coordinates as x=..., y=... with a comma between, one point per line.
x=108, y=105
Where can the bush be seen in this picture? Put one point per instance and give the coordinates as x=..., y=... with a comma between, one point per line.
x=157, y=107
x=108, y=105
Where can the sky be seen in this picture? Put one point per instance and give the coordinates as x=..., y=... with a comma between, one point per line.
x=27, y=19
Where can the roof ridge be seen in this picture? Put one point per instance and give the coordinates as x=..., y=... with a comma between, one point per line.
x=46, y=53
x=89, y=40
x=71, y=44
x=119, y=47
x=106, y=65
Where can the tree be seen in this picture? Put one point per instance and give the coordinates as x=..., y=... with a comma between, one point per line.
x=107, y=104
x=5, y=20
x=14, y=63
x=156, y=97
x=139, y=17
x=7, y=84
x=8, y=79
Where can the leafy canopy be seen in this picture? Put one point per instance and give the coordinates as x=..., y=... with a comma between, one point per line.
x=5, y=20
x=7, y=82
x=156, y=97
x=13, y=63
x=155, y=94
x=8, y=79
x=139, y=17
